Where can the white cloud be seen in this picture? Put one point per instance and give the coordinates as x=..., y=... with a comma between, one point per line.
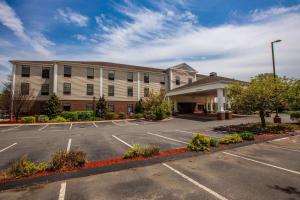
x=80, y=37
x=36, y=40
x=162, y=38
x=69, y=16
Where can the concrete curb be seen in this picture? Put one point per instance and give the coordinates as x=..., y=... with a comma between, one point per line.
x=122, y=166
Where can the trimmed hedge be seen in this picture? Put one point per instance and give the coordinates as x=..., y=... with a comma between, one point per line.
x=43, y=118
x=122, y=115
x=58, y=119
x=138, y=150
x=247, y=135
x=231, y=138
x=200, y=142
x=77, y=115
x=28, y=119
x=109, y=115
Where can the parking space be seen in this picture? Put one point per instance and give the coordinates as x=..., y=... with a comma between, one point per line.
x=82, y=125
x=257, y=173
x=57, y=127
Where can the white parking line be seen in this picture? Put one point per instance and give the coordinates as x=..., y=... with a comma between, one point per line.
x=218, y=196
x=281, y=139
x=15, y=127
x=284, y=148
x=263, y=163
x=122, y=141
x=40, y=129
x=69, y=145
x=8, y=147
x=189, y=132
x=62, y=191
x=131, y=123
x=95, y=124
x=71, y=126
x=167, y=138
x=115, y=123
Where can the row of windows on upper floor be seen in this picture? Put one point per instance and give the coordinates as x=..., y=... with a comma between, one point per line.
x=67, y=88
x=25, y=72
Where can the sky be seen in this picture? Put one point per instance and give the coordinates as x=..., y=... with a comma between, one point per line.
x=230, y=37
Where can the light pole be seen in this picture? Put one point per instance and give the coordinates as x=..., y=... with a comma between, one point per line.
x=277, y=118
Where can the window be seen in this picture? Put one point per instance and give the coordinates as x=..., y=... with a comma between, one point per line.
x=24, y=88
x=110, y=107
x=111, y=90
x=177, y=80
x=146, y=92
x=25, y=71
x=45, y=89
x=90, y=73
x=111, y=75
x=190, y=80
x=146, y=77
x=67, y=71
x=129, y=108
x=130, y=76
x=67, y=107
x=67, y=88
x=89, y=106
x=130, y=91
x=162, y=80
x=89, y=89
x=45, y=72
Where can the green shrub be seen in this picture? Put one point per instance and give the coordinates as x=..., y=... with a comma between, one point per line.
x=71, y=159
x=58, y=119
x=25, y=167
x=28, y=119
x=138, y=115
x=122, y=115
x=43, y=118
x=213, y=142
x=109, y=115
x=138, y=150
x=85, y=115
x=72, y=116
x=247, y=135
x=231, y=138
x=295, y=115
x=200, y=142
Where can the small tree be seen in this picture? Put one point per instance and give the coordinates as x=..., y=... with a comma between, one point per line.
x=22, y=103
x=53, y=107
x=101, y=106
x=139, y=106
x=261, y=94
x=5, y=96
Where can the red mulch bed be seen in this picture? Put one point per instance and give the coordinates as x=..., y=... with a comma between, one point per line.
x=102, y=163
x=269, y=136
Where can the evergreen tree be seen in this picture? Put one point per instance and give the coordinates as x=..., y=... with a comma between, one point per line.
x=101, y=106
x=53, y=107
x=139, y=106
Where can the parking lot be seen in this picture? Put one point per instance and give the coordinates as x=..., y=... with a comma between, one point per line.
x=100, y=140
x=262, y=171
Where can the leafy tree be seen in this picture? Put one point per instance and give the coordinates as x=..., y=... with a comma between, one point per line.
x=5, y=96
x=139, y=106
x=53, y=107
x=261, y=94
x=293, y=94
x=101, y=106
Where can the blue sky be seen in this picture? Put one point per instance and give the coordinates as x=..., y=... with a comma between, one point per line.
x=231, y=37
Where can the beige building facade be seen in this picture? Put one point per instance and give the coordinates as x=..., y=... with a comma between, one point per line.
x=79, y=84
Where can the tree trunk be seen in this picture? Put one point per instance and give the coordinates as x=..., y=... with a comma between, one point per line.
x=262, y=118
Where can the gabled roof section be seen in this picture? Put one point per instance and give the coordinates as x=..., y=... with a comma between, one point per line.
x=208, y=80
x=183, y=66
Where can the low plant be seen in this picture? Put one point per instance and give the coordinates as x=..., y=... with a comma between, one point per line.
x=138, y=115
x=71, y=159
x=213, y=142
x=246, y=135
x=28, y=119
x=72, y=116
x=231, y=138
x=58, y=119
x=295, y=115
x=200, y=142
x=25, y=167
x=43, y=118
x=122, y=115
x=137, y=150
x=109, y=115
x=85, y=115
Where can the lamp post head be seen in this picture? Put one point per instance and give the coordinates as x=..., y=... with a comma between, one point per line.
x=276, y=41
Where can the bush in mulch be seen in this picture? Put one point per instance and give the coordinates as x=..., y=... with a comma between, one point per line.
x=24, y=167
x=255, y=128
x=138, y=150
x=71, y=159
x=200, y=142
x=231, y=138
x=247, y=135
